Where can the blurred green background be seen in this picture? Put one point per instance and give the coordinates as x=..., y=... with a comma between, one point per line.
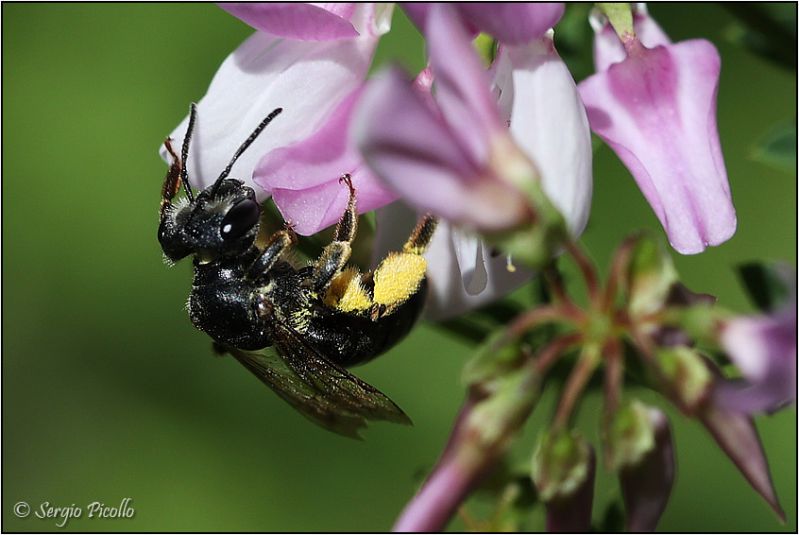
x=109, y=392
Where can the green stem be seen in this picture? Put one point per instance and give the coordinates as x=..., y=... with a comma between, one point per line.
x=620, y=16
x=575, y=384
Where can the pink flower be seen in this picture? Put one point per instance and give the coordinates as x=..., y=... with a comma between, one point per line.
x=656, y=109
x=303, y=178
x=764, y=349
x=311, y=80
x=453, y=155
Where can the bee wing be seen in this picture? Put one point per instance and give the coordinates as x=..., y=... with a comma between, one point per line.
x=319, y=389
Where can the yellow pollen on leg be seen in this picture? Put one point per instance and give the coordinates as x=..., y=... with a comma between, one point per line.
x=346, y=292
x=398, y=278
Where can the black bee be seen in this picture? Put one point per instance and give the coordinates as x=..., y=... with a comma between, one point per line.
x=314, y=320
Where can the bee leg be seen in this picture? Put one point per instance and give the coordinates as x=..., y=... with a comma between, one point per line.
x=278, y=243
x=336, y=255
x=172, y=180
x=400, y=275
x=421, y=236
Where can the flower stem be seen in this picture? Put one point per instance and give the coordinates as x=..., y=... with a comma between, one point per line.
x=555, y=284
x=537, y=317
x=587, y=269
x=614, y=376
x=455, y=475
x=552, y=351
x=618, y=271
x=576, y=383
x=440, y=497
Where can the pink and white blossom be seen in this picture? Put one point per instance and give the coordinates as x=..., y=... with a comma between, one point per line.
x=437, y=153
x=308, y=79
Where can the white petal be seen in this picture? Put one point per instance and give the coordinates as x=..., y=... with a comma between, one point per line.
x=469, y=252
x=548, y=121
x=456, y=288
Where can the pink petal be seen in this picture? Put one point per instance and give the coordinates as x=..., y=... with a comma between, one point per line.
x=764, y=349
x=512, y=23
x=321, y=157
x=314, y=208
x=410, y=147
x=549, y=123
x=418, y=12
x=608, y=48
x=736, y=434
x=306, y=22
x=306, y=78
x=462, y=84
x=312, y=167
x=657, y=111
x=342, y=9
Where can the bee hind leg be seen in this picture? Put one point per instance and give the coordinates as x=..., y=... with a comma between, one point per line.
x=400, y=275
x=335, y=255
x=421, y=236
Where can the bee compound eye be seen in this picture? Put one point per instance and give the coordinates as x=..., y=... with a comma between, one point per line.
x=240, y=218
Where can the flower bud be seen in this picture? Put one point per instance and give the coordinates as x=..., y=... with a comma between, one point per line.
x=563, y=471
x=645, y=459
x=631, y=436
x=651, y=276
x=686, y=374
x=561, y=464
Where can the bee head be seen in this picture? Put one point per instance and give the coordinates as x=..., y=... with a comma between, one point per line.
x=222, y=220
x=215, y=224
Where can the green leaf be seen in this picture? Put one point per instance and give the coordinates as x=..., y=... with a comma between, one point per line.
x=613, y=519
x=767, y=284
x=766, y=28
x=778, y=147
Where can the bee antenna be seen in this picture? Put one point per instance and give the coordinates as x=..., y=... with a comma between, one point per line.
x=184, y=153
x=244, y=147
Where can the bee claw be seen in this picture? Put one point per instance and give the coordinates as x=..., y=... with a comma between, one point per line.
x=346, y=178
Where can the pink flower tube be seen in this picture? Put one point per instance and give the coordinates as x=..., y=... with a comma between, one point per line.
x=657, y=110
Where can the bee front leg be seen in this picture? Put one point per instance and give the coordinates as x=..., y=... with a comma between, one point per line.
x=278, y=243
x=336, y=255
